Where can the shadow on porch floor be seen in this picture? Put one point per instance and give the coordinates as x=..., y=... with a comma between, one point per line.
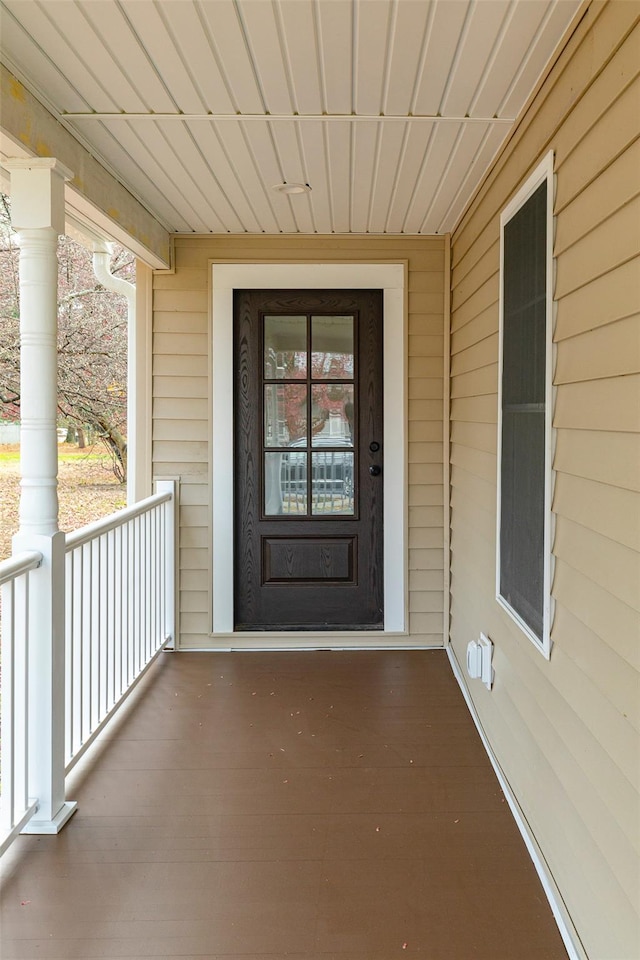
x=313, y=806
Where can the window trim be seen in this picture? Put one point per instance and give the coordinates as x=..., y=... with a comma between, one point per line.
x=543, y=172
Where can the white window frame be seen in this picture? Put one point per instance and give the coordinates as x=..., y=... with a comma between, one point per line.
x=543, y=172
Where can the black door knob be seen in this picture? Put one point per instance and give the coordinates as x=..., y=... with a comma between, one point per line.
x=375, y=470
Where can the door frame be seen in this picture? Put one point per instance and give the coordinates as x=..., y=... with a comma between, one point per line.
x=391, y=277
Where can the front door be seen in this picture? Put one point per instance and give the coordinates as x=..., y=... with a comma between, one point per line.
x=308, y=450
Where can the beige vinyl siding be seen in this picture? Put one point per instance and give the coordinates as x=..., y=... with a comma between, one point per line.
x=565, y=731
x=181, y=425
x=182, y=428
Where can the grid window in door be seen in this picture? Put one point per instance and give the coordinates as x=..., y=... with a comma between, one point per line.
x=309, y=439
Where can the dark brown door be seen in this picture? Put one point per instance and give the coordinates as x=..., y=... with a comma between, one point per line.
x=308, y=460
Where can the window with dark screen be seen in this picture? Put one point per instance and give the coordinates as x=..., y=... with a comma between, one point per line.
x=524, y=471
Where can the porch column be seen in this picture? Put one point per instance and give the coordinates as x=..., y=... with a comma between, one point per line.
x=37, y=205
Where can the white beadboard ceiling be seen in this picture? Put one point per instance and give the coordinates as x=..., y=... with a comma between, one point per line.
x=391, y=110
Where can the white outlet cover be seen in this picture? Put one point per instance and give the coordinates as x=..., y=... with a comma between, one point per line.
x=485, y=647
x=474, y=659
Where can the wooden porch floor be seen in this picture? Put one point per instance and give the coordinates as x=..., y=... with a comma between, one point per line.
x=308, y=806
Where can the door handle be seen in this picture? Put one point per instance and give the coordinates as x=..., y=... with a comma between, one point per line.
x=375, y=470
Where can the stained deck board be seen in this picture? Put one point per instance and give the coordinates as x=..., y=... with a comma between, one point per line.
x=310, y=805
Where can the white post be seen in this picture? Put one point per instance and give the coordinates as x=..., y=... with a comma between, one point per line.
x=37, y=206
x=170, y=552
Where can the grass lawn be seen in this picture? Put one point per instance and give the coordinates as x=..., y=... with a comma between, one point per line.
x=87, y=489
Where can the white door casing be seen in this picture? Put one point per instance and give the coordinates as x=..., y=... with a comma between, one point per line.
x=391, y=278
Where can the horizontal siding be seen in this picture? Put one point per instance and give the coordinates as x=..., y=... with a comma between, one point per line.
x=190, y=451
x=193, y=559
x=178, y=468
x=476, y=383
x=195, y=580
x=609, y=404
x=179, y=301
x=610, y=351
x=425, y=430
x=608, y=677
x=611, y=565
x=181, y=408
x=425, y=411
x=566, y=730
x=484, y=325
x=611, y=243
x=181, y=365
x=181, y=387
x=604, y=142
x=609, y=457
x=195, y=494
x=473, y=357
x=425, y=325
x=181, y=427
x=478, y=436
x=610, y=511
x=189, y=322
x=471, y=512
x=192, y=344
x=601, y=301
x=427, y=625
x=425, y=367
x=616, y=35
x=480, y=409
x=474, y=462
x=614, y=624
x=464, y=311
x=603, y=198
x=468, y=284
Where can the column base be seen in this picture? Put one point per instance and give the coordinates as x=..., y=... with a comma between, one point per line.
x=52, y=826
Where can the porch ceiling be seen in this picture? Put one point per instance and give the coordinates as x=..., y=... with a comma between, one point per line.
x=390, y=109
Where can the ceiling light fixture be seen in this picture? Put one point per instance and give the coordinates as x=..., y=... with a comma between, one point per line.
x=292, y=188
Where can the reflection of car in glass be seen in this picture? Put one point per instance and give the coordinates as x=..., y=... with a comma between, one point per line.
x=332, y=470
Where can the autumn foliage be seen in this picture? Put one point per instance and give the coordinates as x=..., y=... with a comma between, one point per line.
x=92, y=342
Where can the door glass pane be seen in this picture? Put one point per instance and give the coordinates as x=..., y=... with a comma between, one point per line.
x=285, y=348
x=285, y=483
x=332, y=482
x=285, y=414
x=332, y=348
x=332, y=422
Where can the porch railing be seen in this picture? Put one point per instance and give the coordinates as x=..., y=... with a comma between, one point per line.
x=119, y=614
x=16, y=806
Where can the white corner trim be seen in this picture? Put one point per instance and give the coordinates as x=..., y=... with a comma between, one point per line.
x=567, y=930
x=141, y=399
x=446, y=443
x=390, y=277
